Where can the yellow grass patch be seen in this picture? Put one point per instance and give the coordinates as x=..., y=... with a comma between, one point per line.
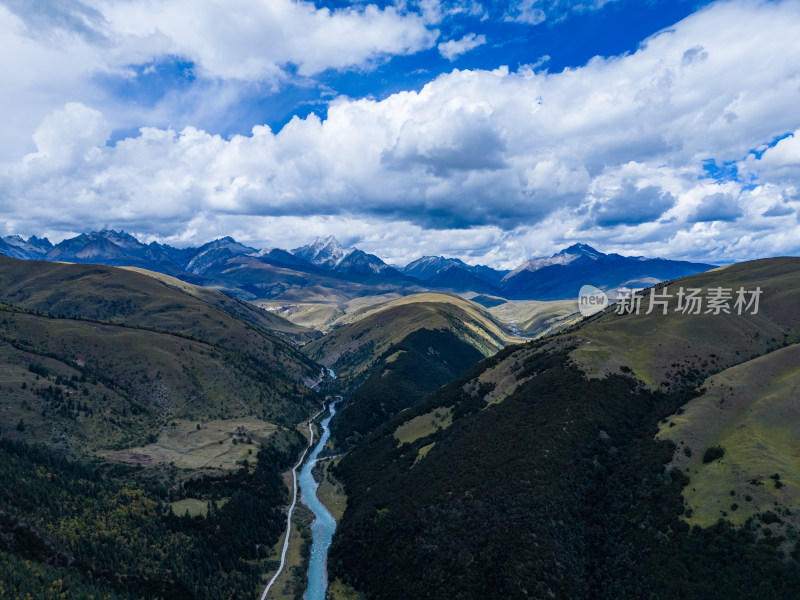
x=211, y=446
x=424, y=425
x=331, y=491
x=423, y=452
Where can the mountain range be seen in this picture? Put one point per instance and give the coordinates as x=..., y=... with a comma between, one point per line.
x=630, y=456
x=326, y=267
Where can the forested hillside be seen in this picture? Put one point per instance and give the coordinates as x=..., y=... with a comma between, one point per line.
x=145, y=426
x=397, y=353
x=542, y=473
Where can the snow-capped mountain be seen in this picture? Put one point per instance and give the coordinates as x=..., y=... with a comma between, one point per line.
x=561, y=275
x=328, y=254
x=325, y=253
x=358, y=262
x=280, y=257
x=106, y=245
x=215, y=252
x=324, y=264
x=453, y=273
x=31, y=249
x=564, y=257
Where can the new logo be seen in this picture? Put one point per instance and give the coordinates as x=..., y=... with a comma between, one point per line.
x=591, y=300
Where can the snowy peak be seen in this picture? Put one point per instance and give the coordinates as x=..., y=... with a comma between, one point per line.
x=428, y=267
x=453, y=273
x=325, y=253
x=123, y=239
x=212, y=253
x=563, y=257
x=580, y=250
x=358, y=262
x=33, y=248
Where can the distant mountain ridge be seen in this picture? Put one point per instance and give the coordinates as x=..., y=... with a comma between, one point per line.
x=250, y=273
x=562, y=275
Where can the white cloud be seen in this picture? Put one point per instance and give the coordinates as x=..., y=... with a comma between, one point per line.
x=529, y=12
x=781, y=161
x=63, y=50
x=241, y=39
x=534, y=12
x=452, y=49
x=611, y=153
x=74, y=133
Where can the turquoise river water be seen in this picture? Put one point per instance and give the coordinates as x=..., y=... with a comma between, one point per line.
x=324, y=524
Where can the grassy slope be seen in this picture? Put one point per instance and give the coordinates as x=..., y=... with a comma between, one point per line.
x=127, y=297
x=677, y=347
x=323, y=311
x=330, y=490
x=142, y=370
x=756, y=380
x=350, y=349
x=397, y=353
x=135, y=382
x=533, y=318
x=124, y=353
x=751, y=410
x=513, y=402
x=262, y=319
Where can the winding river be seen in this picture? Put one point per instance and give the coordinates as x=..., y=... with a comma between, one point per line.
x=324, y=524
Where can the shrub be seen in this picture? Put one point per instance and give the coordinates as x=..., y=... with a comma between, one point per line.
x=713, y=453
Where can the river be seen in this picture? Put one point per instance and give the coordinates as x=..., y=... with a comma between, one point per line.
x=324, y=524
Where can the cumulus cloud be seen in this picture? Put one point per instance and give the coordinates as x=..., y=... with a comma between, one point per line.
x=65, y=49
x=717, y=207
x=253, y=41
x=452, y=49
x=610, y=153
x=780, y=161
x=632, y=205
x=459, y=136
x=75, y=132
x=529, y=12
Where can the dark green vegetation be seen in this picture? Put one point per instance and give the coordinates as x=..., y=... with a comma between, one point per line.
x=406, y=373
x=72, y=528
x=553, y=479
x=353, y=348
x=712, y=454
x=138, y=298
x=400, y=352
x=99, y=364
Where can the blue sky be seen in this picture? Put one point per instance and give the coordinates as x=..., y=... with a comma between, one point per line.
x=489, y=131
x=568, y=37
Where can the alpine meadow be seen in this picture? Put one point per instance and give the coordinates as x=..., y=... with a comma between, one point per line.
x=400, y=300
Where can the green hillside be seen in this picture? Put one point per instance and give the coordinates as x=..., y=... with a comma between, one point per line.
x=120, y=353
x=145, y=426
x=534, y=318
x=351, y=349
x=550, y=470
x=752, y=411
x=268, y=321
x=678, y=348
x=397, y=353
x=140, y=298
